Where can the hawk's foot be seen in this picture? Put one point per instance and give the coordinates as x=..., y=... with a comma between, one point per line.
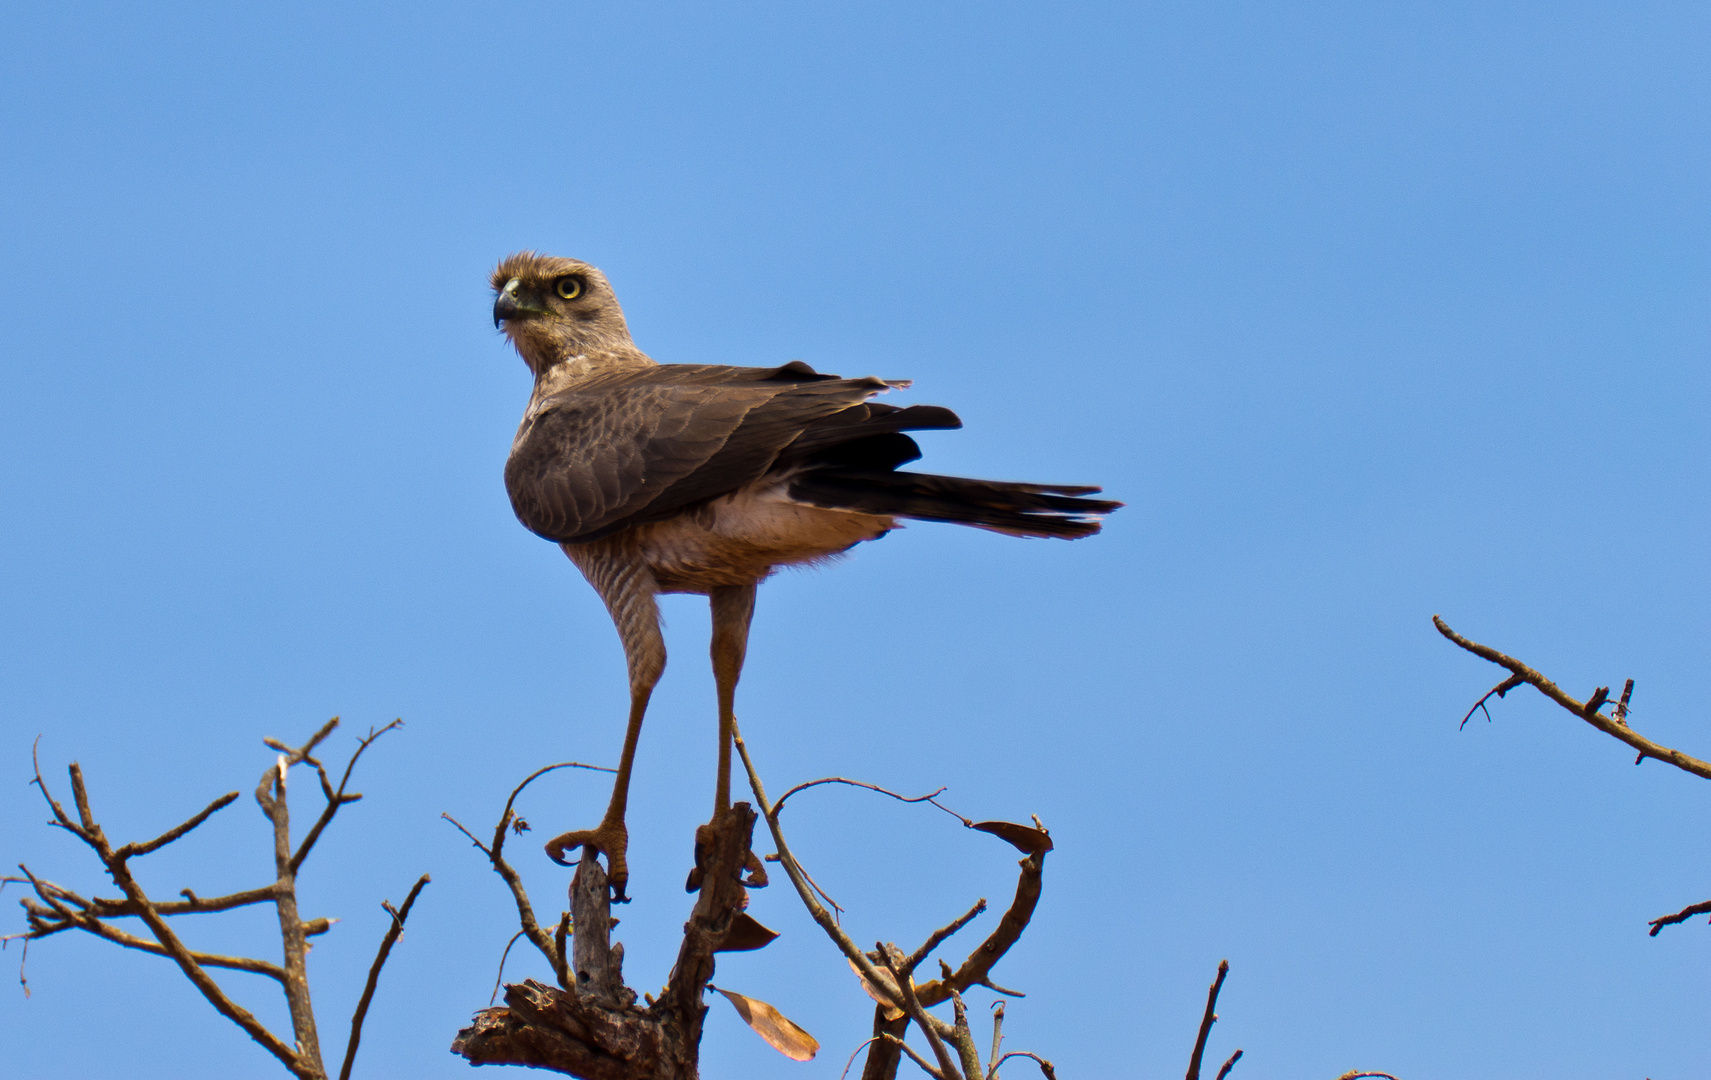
x=610, y=839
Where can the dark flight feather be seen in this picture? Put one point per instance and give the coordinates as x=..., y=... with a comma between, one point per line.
x=645, y=444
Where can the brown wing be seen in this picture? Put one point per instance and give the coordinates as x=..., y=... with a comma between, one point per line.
x=644, y=445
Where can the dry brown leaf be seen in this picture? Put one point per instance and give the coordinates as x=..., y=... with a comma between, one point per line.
x=745, y=935
x=1024, y=839
x=892, y=1012
x=773, y=1026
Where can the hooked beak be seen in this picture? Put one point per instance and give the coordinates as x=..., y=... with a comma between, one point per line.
x=505, y=305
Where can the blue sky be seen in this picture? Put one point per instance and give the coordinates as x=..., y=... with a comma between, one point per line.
x=1368, y=311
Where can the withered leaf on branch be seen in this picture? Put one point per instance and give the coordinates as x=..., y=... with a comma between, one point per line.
x=889, y=986
x=1027, y=840
x=773, y=1026
x=745, y=935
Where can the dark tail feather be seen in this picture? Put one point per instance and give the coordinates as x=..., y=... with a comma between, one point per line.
x=1017, y=509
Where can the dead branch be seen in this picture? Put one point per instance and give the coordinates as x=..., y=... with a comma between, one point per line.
x=1686, y=913
x=393, y=933
x=1616, y=726
x=591, y=1027
x=1206, y=1021
x=900, y=1000
x=1589, y=710
x=54, y=908
x=930, y=797
x=1045, y=1066
x=550, y=948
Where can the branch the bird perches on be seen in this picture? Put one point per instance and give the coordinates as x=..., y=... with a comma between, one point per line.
x=591, y=1026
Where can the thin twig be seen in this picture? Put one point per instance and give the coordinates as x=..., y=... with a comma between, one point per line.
x=167, y=837
x=338, y=798
x=1609, y=725
x=930, y=797
x=926, y=1067
x=393, y=933
x=495, y=855
x=1681, y=916
x=1207, y=1020
x=194, y=905
x=816, y=911
x=1356, y=1074
x=499, y=976
x=1230, y=1064
x=997, y=1039
x=89, y=924
x=505, y=818
x=851, y=1062
x=937, y=937
x=1500, y=690
x=1045, y=1066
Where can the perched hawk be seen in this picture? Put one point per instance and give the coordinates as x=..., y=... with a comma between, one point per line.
x=698, y=478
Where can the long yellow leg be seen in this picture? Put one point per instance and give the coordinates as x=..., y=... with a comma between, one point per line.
x=733, y=607
x=628, y=589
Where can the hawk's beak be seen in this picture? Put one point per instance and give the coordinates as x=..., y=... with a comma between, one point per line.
x=505, y=305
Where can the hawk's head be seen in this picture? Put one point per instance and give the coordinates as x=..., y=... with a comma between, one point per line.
x=553, y=309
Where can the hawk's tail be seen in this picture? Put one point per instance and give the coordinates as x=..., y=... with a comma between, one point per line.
x=1058, y=510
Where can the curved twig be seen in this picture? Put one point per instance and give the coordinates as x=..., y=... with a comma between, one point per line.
x=1045, y=1066
x=499, y=976
x=930, y=797
x=848, y=1065
x=531, y=927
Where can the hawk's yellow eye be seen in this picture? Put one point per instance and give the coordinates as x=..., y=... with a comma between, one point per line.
x=569, y=287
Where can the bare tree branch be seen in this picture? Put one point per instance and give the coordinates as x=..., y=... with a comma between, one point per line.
x=930, y=797
x=1686, y=913
x=1206, y=1021
x=62, y=909
x=551, y=949
x=338, y=798
x=1229, y=1064
x=393, y=933
x=905, y=1048
x=1616, y=728
x=818, y=913
x=938, y=937
x=167, y=837
x=929, y=1025
x=1045, y=1066
x=926, y=1067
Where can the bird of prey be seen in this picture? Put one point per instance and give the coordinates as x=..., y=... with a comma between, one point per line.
x=699, y=478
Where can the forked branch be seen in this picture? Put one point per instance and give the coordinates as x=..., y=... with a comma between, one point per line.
x=54, y=908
